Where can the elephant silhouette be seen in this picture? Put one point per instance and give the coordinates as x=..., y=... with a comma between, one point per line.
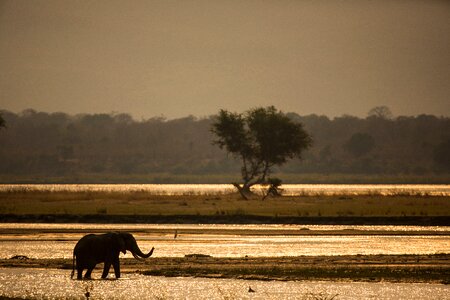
x=97, y=248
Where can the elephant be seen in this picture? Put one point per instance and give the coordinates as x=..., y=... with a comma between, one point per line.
x=96, y=248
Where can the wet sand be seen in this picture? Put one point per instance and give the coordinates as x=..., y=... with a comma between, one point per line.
x=369, y=268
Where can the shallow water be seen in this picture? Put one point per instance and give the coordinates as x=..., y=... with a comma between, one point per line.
x=200, y=189
x=56, y=284
x=249, y=227
x=35, y=242
x=251, y=246
x=44, y=241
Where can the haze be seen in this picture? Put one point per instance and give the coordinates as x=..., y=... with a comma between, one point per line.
x=175, y=58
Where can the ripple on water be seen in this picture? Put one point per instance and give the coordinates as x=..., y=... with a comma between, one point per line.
x=239, y=246
x=55, y=284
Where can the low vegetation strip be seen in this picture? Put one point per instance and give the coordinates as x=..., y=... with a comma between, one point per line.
x=140, y=205
x=395, y=268
x=228, y=219
x=355, y=273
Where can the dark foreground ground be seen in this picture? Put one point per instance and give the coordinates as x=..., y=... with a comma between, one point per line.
x=373, y=268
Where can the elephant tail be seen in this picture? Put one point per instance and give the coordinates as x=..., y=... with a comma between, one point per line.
x=73, y=267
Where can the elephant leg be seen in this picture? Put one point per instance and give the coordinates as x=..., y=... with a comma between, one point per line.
x=106, y=268
x=79, y=273
x=89, y=271
x=116, y=266
x=79, y=267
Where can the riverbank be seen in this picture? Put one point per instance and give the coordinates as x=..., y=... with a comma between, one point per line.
x=366, y=268
x=144, y=207
x=227, y=219
x=168, y=178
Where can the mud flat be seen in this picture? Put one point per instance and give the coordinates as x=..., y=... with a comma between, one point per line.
x=366, y=268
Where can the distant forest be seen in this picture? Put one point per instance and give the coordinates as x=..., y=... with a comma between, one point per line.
x=60, y=145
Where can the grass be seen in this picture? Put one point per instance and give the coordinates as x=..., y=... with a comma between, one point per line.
x=24, y=201
x=367, y=273
x=432, y=268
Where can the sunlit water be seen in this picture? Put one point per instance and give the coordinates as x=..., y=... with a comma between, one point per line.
x=44, y=240
x=55, y=284
x=288, y=189
x=247, y=227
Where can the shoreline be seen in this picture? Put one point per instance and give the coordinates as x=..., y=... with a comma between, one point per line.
x=224, y=219
x=366, y=268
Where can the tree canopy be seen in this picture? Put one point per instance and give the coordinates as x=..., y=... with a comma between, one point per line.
x=382, y=112
x=360, y=144
x=261, y=138
x=2, y=122
x=116, y=148
x=442, y=155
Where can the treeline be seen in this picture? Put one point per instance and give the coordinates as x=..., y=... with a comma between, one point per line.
x=56, y=144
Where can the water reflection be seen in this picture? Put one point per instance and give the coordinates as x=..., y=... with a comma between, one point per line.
x=34, y=241
x=55, y=284
x=202, y=189
x=227, y=227
x=251, y=246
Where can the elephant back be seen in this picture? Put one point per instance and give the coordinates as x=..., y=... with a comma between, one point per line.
x=88, y=244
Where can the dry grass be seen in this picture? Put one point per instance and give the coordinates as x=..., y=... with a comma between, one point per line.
x=143, y=203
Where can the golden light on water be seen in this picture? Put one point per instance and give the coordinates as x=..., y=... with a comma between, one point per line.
x=49, y=243
x=207, y=189
x=56, y=284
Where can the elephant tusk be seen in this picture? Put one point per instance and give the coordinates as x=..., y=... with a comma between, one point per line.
x=137, y=257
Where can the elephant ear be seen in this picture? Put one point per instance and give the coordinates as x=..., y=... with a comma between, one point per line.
x=120, y=243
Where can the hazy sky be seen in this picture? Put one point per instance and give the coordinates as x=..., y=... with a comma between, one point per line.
x=175, y=58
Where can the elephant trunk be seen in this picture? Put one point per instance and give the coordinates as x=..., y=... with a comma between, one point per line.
x=137, y=253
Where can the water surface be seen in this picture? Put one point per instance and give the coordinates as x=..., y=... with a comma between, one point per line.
x=52, y=241
x=56, y=284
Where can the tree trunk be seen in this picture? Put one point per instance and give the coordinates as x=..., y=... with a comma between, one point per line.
x=244, y=190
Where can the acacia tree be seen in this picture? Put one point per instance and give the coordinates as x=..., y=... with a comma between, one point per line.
x=261, y=138
x=382, y=112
